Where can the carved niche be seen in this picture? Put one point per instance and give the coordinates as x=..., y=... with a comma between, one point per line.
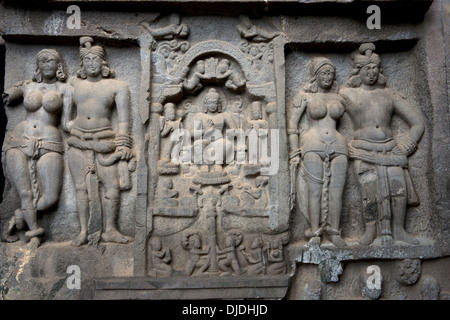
x=212, y=131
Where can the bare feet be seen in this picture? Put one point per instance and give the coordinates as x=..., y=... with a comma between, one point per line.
x=113, y=235
x=309, y=233
x=335, y=236
x=338, y=241
x=34, y=243
x=34, y=233
x=80, y=240
x=401, y=235
x=314, y=241
x=369, y=234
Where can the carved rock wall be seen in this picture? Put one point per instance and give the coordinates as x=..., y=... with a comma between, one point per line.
x=274, y=148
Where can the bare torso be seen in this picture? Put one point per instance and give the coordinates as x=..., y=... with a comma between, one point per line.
x=371, y=112
x=323, y=111
x=94, y=102
x=43, y=103
x=210, y=122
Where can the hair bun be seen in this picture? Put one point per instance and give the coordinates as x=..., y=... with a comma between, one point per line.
x=366, y=46
x=86, y=42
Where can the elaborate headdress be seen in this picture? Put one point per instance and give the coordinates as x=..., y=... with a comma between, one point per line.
x=315, y=65
x=366, y=56
x=319, y=62
x=86, y=48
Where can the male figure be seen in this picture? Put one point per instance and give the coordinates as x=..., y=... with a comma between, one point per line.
x=249, y=31
x=169, y=124
x=94, y=146
x=212, y=149
x=160, y=258
x=261, y=129
x=198, y=257
x=380, y=162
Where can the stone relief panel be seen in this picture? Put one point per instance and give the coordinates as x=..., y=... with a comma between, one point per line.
x=232, y=154
x=213, y=110
x=345, y=212
x=60, y=102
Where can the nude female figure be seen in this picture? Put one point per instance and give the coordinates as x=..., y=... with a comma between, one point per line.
x=322, y=150
x=33, y=150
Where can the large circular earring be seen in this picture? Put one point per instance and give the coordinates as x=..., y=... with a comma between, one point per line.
x=38, y=76
x=105, y=71
x=81, y=74
x=60, y=75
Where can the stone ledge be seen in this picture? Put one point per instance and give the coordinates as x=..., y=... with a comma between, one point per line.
x=428, y=249
x=329, y=258
x=267, y=287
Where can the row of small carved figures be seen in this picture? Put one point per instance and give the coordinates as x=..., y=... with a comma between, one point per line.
x=263, y=256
